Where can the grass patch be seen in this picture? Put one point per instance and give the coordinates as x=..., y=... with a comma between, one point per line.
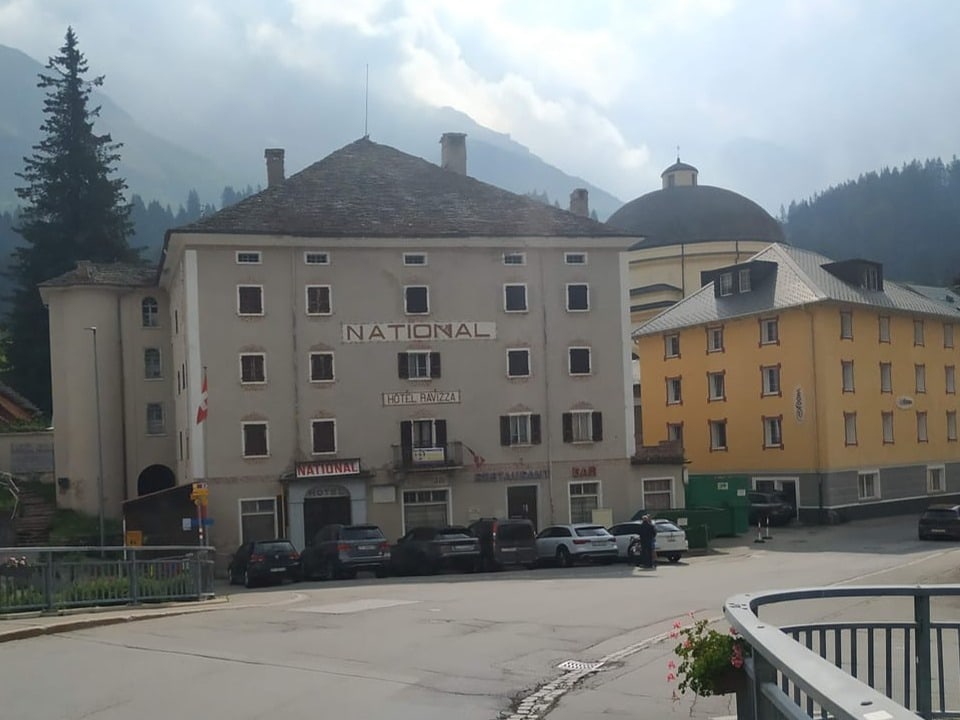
x=76, y=528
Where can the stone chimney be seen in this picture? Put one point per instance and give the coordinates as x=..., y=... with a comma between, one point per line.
x=274, y=158
x=453, y=152
x=579, y=204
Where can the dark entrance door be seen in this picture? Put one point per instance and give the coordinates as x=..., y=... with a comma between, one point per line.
x=321, y=511
x=522, y=502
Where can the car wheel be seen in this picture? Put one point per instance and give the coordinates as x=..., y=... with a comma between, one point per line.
x=564, y=559
x=231, y=580
x=247, y=579
x=674, y=558
x=633, y=552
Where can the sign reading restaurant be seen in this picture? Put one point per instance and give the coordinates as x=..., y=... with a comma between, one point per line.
x=407, y=331
x=420, y=397
x=328, y=468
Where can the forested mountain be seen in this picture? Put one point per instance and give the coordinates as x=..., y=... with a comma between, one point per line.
x=908, y=218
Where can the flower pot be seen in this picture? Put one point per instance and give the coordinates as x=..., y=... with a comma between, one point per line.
x=730, y=680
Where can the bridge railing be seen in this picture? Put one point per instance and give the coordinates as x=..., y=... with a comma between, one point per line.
x=54, y=578
x=890, y=669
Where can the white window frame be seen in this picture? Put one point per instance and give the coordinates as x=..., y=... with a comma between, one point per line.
x=403, y=503
x=577, y=423
x=333, y=366
x=920, y=377
x=263, y=304
x=847, y=378
x=715, y=332
x=644, y=492
x=336, y=439
x=241, y=514
x=918, y=333
x=570, y=351
x=726, y=284
x=951, y=425
x=743, y=280
x=714, y=440
x=765, y=324
x=598, y=494
x=306, y=297
x=675, y=398
x=675, y=428
x=243, y=449
x=671, y=345
x=846, y=324
x=876, y=482
x=149, y=312
x=522, y=420
x=883, y=328
x=248, y=257
x=923, y=427
x=253, y=354
x=147, y=365
x=948, y=335
x=766, y=372
x=526, y=351
x=422, y=356
x=850, y=429
x=887, y=427
x=526, y=298
x=514, y=258
x=415, y=259
x=886, y=377
x=950, y=379
x=316, y=257
x=567, y=289
x=575, y=258
x=769, y=423
x=406, y=308
x=932, y=471
x=154, y=429
x=712, y=395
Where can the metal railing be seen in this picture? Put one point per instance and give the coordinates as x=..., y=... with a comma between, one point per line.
x=54, y=578
x=874, y=669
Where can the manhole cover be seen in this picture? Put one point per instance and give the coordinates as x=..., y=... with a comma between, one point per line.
x=578, y=665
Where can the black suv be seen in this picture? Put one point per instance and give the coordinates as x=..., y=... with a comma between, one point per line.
x=339, y=551
x=505, y=542
x=940, y=521
x=264, y=561
x=768, y=507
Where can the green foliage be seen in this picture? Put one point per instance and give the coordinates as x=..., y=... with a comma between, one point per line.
x=73, y=211
x=76, y=528
x=705, y=656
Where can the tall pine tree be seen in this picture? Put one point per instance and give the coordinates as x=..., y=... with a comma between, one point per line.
x=73, y=211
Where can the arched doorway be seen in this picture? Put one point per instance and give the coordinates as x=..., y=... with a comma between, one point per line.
x=325, y=505
x=154, y=479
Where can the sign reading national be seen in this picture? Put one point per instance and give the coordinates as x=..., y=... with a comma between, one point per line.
x=328, y=468
x=407, y=331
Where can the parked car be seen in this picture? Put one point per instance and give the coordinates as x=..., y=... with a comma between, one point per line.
x=264, y=561
x=340, y=551
x=426, y=550
x=940, y=521
x=566, y=544
x=770, y=506
x=505, y=542
x=671, y=541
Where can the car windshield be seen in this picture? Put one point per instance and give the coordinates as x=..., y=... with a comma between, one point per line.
x=515, y=531
x=450, y=532
x=667, y=527
x=366, y=532
x=276, y=546
x=940, y=515
x=592, y=531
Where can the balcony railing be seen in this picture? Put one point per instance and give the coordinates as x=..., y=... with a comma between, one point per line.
x=865, y=669
x=412, y=459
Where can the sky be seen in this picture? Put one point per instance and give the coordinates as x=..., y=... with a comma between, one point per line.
x=776, y=99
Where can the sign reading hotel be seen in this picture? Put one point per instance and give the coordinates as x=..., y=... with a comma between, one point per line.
x=328, y=468
x=408, y=331
x=420, y=397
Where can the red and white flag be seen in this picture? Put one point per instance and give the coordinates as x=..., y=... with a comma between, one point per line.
x=478, y=460
x=202, y=409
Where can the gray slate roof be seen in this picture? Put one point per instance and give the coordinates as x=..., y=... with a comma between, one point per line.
x=799, y=280
x=940, y=294
x=18, y=399
x=369, y=190
x=106, y=274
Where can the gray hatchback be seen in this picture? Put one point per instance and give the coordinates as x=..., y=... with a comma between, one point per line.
x=340, y=551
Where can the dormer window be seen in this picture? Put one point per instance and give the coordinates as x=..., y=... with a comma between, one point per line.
x=726, y=284
x=743, y=278
x=870, y=278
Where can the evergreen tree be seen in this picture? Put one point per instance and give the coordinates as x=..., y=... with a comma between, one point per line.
x=73, y=211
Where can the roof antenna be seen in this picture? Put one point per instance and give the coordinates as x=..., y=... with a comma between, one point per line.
x=678, y=153
x=366, y=104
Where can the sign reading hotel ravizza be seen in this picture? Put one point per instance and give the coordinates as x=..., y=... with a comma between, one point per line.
x=408, y=331
x=420, y=397
x=328, y=468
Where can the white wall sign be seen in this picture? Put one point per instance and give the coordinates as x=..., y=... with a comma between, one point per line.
x=420, y=397
x=407, y=331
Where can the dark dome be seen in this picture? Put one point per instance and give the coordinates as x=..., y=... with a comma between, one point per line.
x=695, y=213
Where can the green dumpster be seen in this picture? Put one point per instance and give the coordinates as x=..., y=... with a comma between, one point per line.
x=722, y=491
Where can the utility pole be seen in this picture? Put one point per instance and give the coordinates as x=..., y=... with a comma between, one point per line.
x=96, y=389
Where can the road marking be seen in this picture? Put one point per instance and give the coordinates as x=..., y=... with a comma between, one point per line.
x=354, y=606
x=915, y=561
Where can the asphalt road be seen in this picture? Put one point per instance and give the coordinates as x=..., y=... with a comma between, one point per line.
x=454, y=646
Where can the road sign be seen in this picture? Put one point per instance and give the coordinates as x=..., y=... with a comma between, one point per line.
x=133, y=538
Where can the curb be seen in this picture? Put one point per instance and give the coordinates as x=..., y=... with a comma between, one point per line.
x=71, y=624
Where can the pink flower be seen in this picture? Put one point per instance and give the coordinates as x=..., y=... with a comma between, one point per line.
x=690, y=614
x=677, y=625
x=674, y=634
x=671, y=665
x=671, y=677
x=732, y=631
x=737, y=662
x=687, y=644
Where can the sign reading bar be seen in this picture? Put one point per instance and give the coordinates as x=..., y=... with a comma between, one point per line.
x=407, y=331
x=420, y=397
x=328, y=468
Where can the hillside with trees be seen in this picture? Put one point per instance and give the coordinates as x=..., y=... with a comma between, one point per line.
x=908, y=218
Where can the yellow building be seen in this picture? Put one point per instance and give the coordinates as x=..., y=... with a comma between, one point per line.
x=810, y=376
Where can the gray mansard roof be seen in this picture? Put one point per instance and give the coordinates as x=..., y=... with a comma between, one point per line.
x=800, y=279
x=369, y=190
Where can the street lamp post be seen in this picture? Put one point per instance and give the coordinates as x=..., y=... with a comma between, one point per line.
x=96, y=389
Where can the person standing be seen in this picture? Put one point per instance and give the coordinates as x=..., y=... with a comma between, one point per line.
x=648, y=533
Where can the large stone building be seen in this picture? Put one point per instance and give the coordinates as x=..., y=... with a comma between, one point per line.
x=818, y=378
x=374, y=339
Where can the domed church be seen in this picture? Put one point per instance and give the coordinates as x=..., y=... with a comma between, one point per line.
x=687, y=228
